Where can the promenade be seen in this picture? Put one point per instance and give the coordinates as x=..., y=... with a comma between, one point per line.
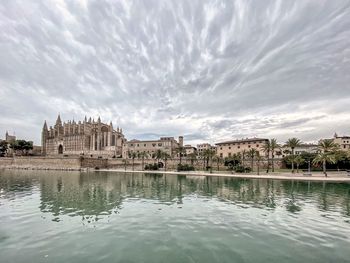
x=317, y=176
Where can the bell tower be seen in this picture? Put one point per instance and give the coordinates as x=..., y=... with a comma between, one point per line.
x=44, y=135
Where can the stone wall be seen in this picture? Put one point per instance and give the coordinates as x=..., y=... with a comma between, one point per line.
x=40, y=163
x=77, y=163
x=98, y=163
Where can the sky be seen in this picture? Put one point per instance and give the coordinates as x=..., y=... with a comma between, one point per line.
x=209, y=70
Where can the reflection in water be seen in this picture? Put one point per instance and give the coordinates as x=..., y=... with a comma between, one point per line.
x=116, y=217
x=92, y=195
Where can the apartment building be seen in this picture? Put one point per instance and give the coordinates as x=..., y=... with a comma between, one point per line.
x=228, y=148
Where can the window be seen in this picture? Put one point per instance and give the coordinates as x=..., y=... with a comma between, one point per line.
x=153, y=144
x=248, y=146
x=220, y=148
x=159, y=144
x=132, y=144
x=229, y=154
x=257, y=146
x=144, y=145
x=221, y=155
x=138, y=145
x=238, y=147
x=229, y=147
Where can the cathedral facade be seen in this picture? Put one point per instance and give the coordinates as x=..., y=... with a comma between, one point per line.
x=88, y=137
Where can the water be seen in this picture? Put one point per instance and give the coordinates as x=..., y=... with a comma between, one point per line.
x=115, y=217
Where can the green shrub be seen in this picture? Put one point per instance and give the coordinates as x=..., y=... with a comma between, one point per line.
x=185, y=167
x=247, y=169
x=151, y=166
x=239, y=169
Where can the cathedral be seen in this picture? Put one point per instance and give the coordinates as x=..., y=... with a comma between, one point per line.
x=88, y=137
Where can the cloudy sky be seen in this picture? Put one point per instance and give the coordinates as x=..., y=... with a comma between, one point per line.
x=208, y=70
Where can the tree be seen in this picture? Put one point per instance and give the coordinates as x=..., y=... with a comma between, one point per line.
x=267, y=149
x=327, y=149
x=299, y=160
x=251, y=154
x=158, y=155
x=132, y=155
x=165, y=157
x=324, y=158
x=21, y=145
x=3, y=148
x=208, y=156
x=180, y=151
x=218, y=160
x=125, y=161
x=258, y=160
x=244, y=153
x=192, y=157
x=340, y=157
x=273, y=146
x=142, y=155
x=293, y=143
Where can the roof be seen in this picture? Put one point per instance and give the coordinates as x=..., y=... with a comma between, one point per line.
x=342, y=137
x=144, y=141
x=242, y=140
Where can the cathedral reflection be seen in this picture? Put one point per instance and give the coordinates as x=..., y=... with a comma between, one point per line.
x=93, y=194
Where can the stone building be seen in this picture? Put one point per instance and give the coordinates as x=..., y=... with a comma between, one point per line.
x=205, y=146
x=9, y=138
x=228, y=148
x=189, y=149
x=342, y=141
x=88, y=137
x=300, y=149
x=165, y=144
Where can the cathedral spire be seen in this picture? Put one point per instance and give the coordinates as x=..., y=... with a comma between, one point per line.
x=58, y=121
x=85, y=119
x=45, y=126
x=99, y=119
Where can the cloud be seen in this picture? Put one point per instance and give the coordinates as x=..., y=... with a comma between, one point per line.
x=210, y=70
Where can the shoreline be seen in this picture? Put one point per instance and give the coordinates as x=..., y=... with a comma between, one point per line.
x=282, y=176
x=315, y=177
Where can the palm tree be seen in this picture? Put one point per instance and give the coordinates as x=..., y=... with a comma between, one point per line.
x=251, y=154
x=165, y=157
x=327, y=149
x=132, y=155
x=218, y=160
x=158, y=155
x=293, y=143
x=273, y=146
x=299, y=160
x=244, y=153
x=340, y=156
x=208, y=156
x=258, y=160
x=324, y=158
x=180, y=151
x=267, y=148
x=192, y=157
x=142, y=156
x=125, y=161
